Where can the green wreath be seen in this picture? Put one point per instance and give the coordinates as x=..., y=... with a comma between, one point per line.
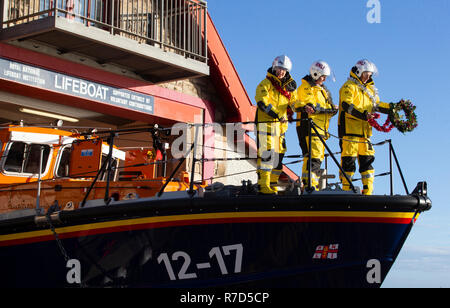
x=396, y=118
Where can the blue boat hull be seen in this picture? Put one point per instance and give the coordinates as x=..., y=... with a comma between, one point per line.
x=300, y=246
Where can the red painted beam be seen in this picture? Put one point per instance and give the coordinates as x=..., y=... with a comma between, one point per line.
x=226, y=79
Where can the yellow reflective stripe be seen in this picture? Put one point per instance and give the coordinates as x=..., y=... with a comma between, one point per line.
x=193, y=217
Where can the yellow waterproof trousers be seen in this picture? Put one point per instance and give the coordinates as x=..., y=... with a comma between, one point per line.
x=358, y=148
x=317, y=156
x=271, y=149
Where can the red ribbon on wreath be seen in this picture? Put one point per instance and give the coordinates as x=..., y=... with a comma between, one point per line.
x=387, y=126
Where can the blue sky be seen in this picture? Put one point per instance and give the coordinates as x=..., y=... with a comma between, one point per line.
x=411, y=48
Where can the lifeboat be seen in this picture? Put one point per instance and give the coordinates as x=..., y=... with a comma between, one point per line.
x=93, y=215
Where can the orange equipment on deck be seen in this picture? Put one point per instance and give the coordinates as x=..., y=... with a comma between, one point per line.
x=69, y=165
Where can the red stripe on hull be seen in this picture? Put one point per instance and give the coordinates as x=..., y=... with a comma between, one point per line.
x=167, y=224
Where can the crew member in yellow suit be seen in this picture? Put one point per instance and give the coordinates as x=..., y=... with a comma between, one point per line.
x=274, y=95
x=314, y=102
x=358, y=101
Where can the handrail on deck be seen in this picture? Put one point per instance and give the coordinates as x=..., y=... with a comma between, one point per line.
x=392, y=154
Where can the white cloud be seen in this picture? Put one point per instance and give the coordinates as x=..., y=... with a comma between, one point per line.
x=420, y=267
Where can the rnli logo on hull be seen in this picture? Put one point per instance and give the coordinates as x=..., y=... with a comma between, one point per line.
x=329, y=252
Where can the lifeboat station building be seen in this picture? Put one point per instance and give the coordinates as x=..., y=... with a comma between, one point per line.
x=117, y=64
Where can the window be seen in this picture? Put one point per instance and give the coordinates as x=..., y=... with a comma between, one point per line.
x=24, y=158
x=64, y=162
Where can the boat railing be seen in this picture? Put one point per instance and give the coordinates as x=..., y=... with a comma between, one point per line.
x=301, y=158
x=108, y=168
x=392, y=154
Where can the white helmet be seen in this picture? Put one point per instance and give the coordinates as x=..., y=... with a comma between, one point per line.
x=282, y=62
x=365, y=65
x=319, y=68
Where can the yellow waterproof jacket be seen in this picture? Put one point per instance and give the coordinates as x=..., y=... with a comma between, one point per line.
x=319, y=98
x=272, y=104
x=355, y=104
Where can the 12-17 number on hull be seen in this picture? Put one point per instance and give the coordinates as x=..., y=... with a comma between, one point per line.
x=215, y=252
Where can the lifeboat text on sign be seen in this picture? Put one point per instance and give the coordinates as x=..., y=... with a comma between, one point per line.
x=49, y=80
